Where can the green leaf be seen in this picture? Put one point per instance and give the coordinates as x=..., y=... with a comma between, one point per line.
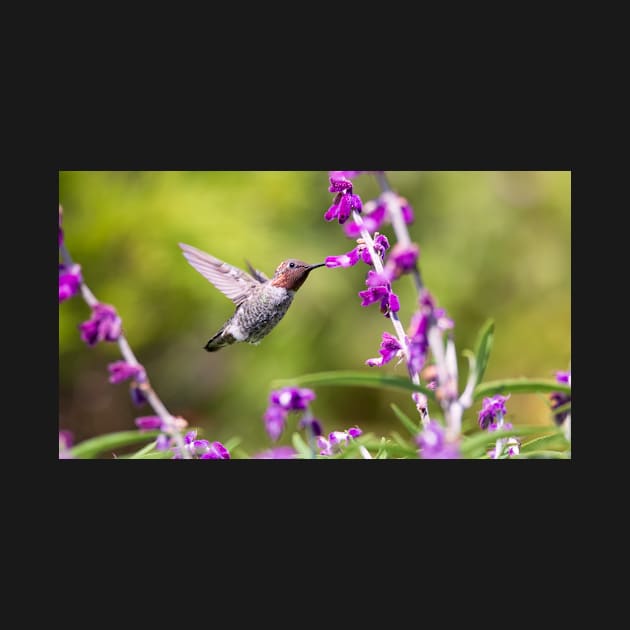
x=301, y=446
x=232, y=443
x=519, y=386
x=353, y=378
x=483, y=348
x=143, y=451
x=89, y=449
x=476, y=444
x=555, y=441
x=406, y=420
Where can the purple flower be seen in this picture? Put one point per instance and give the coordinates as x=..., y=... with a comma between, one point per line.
x=345, y=202
x=406, y=210
x=199, y=449
x=433, y=444
x=292, y=398
x=492, y=409
x=148, y=423
x=105, y=325
x=216, y=450
x=279, y=452
x=388, y=350
x=344, y=260
x=281, y=402
x=275, y=418
x=65, y=443
x=388, y=299
x=121, y=371
x=559, y=399
x=339, y=182
x=402, y=259
x=312, y=424
x=336, y=440
x=372, y=220
x=69, y=281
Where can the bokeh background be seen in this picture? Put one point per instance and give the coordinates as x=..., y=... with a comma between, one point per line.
x=493, y=244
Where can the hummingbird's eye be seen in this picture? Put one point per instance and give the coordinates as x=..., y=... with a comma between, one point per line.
x=291, y=265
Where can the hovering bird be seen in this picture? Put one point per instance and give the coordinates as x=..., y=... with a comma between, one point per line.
x=260, y=302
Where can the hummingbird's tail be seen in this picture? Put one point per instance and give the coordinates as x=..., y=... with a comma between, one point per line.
x=218, y=341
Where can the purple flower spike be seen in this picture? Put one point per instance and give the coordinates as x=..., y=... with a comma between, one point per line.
x=69, y=281
x=121, y=371
x=388, y=350
x=216, y=451
x=148, y=423
x=491, y=409
x=433, y=444
x=279, y=452
x=292, y=398
x=105, y=325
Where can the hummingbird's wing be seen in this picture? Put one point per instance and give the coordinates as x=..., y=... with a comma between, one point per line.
x=259, y=275
x=233, y=282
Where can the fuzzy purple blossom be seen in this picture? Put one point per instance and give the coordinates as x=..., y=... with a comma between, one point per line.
x=275, y=418
x=559, y=399
x=390, y=346
x=279, y=452
x=121, y=371
x=104, y=325
x=65, y=444
x=492, y=409
x=336, y=440
x=148, y=423
x=379, y=293
x=69, y=281
x=292, y=398
x=281, y=402
x=433, y=444
x=216, y=450
x=345, y=201
x=200, y=449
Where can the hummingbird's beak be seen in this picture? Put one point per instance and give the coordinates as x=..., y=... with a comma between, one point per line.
x=315, y=266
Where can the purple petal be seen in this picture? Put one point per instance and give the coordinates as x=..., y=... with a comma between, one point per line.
x=349, y=259
x=148, y=423
x=354, y=432
x=394, y=302
x=121, y=371
x=339, y=183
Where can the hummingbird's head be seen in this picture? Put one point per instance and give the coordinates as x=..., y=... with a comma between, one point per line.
x=290, y=274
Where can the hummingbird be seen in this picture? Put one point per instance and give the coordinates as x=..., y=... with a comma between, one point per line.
x=260, y=302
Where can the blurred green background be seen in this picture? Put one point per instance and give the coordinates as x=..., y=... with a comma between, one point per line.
x=493, y=244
